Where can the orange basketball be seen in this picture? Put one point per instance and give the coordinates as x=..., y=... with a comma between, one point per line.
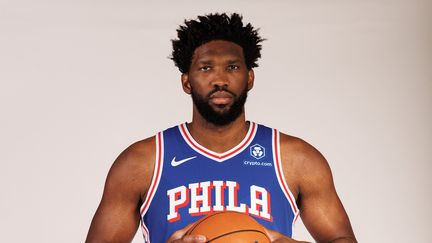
x=229, y=227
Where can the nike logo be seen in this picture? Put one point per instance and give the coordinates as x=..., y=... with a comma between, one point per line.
x=176, y=163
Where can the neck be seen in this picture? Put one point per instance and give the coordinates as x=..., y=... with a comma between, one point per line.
x=218, y=138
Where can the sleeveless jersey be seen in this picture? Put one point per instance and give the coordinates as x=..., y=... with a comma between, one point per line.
x=190, y=181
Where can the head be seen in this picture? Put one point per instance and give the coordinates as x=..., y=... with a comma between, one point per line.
x=216, y=54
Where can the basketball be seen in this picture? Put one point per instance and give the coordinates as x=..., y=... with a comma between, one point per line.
x=229, y=227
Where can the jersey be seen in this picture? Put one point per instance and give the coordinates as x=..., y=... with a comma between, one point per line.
x=190, y=181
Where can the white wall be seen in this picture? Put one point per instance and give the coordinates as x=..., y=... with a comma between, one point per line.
x=81, y=80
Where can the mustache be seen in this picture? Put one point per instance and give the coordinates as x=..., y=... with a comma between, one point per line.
x=219, y=89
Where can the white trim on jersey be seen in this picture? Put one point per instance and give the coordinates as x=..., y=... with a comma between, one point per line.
x=281, y=177
x=153, y=185
x=219, y=157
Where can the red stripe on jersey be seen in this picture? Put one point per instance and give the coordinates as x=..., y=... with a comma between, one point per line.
x=287, y=192
x=146, y=232
x=214, y=155
x=158, y=172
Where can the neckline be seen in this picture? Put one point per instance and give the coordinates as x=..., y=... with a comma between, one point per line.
x=219, y=157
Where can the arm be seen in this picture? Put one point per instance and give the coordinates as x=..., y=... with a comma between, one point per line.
x=311, y=181
x=117, y=217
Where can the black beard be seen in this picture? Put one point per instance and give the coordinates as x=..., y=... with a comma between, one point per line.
x=220, y=118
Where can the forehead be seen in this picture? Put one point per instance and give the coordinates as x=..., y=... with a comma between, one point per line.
x=218, y=48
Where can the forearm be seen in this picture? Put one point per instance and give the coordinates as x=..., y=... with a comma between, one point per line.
x=288, y=240
x=346, y=239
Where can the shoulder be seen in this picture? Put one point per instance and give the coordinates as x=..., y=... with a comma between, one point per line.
x=303, y=164
x=300, y=152
x=133, y=168
x=137, y=155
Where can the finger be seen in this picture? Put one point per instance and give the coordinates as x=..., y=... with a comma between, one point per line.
x=188, y=239
x=179, y=236
x=194, y=238
x=272, y=235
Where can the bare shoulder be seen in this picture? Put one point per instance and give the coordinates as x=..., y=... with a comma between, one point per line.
x=133, y=168
x=302, y=163
x=137, y=154
x=117, y=216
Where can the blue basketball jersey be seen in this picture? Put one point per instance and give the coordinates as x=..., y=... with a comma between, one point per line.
x=190, y=181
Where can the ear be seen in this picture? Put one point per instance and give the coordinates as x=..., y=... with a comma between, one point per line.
x=185, y=83
x=251, y=78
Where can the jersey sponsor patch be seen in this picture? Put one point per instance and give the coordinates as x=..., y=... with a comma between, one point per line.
x=257, y=151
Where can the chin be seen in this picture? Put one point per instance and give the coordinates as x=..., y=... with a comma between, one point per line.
x=221, y=112
x=225, y=108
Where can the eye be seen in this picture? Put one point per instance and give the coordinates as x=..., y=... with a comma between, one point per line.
x=205, y=68
x=233, y=67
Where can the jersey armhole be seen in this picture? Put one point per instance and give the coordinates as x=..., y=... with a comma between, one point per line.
x=157, y=171
x=280, y=175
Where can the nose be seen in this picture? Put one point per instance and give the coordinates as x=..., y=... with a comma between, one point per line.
x=220, y=79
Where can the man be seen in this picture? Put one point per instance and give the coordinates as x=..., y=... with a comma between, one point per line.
x=219, y=161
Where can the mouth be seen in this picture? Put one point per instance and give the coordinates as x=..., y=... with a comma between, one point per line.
x=221, y=98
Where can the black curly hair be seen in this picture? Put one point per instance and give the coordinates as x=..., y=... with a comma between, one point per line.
x=215, y=27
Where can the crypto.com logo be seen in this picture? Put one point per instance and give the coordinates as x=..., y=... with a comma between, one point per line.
x=257, y=151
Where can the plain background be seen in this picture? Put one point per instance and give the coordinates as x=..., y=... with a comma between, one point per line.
x=81, y=80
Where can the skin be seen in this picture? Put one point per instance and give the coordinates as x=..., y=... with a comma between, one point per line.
x=308, y=175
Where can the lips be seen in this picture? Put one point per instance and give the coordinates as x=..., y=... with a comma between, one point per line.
x=221, y=98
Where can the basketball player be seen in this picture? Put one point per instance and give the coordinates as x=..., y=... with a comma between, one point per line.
x=219, y=161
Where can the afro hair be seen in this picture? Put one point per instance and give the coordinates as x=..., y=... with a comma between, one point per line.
x=215, y=27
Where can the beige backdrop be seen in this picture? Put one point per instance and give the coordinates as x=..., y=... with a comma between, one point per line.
x=81, y=80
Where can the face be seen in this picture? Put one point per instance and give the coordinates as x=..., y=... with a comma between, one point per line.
x=218, y=81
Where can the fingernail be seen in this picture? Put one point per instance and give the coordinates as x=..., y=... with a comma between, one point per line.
x=201, y=238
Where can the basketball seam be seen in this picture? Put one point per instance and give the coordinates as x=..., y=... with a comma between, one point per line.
x=237, y=231
x=203, y=219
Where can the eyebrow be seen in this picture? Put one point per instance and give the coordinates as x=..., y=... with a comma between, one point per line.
x=208, y=62
x=233, y=61
x=205, y=62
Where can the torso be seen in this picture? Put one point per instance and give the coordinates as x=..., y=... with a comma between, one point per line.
x=173, y=197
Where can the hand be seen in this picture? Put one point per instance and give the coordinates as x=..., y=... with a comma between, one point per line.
x=179, y=236
x=276, y=237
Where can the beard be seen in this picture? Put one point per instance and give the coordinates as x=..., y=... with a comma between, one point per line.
x=227, y=114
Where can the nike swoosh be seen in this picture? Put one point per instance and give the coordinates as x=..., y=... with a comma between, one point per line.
x=176, y=163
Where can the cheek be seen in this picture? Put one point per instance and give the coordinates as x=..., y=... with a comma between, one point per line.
x=197, y=88
x=200, y=82
x=242, y=79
